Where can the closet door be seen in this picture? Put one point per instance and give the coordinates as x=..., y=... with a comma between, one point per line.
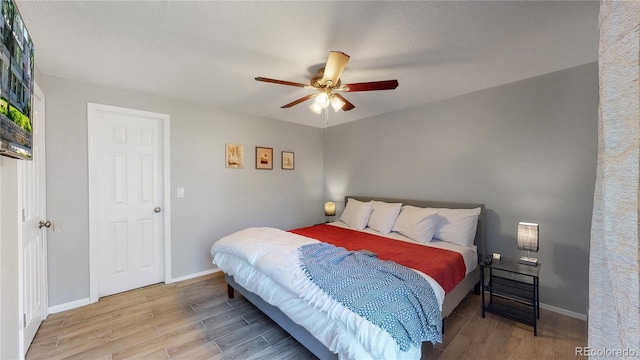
x=33, y=243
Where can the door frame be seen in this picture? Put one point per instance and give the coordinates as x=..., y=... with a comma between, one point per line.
x=22, y=347
x=93, y=110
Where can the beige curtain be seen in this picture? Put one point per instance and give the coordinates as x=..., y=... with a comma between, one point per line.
x=614, y=271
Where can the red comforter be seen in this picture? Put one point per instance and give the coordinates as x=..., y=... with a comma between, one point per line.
x=445, y=266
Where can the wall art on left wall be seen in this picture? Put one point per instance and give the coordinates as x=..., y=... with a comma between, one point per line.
x=234, y=156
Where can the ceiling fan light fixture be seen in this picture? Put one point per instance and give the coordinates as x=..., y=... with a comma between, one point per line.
x=316, y=108
x=336, y=103
x=322, y=100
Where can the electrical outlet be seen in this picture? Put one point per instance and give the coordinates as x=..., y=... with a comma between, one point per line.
x=496, y=256
x=180, y=192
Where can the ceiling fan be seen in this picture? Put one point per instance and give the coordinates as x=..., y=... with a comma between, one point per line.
x=327, y=84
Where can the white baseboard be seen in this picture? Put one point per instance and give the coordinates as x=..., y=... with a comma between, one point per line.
x=68, y=306
x=561, y=311
x=191, y=276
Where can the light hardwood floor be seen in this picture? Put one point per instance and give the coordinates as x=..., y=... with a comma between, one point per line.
x=194, y=319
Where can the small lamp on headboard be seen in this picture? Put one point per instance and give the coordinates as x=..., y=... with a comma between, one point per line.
x=528, y=240
x=329, y=210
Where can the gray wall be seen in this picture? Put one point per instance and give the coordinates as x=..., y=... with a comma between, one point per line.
x=526, y=150
x=217, y=200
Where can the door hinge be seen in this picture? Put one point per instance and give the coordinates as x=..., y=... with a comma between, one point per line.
x=24, y=215
x=24, y=320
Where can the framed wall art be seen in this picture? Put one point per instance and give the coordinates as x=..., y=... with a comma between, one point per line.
x=288, y=162
x=234, y=156
x=264, y=158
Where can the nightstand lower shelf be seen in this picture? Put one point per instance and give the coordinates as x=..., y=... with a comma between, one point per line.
x=511, y=309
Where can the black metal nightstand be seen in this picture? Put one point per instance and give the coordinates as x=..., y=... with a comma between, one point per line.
x=513, y=291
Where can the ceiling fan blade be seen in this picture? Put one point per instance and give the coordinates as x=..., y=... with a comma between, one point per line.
x=296, y=102
x=281, y=82
x=336, y=63
x=370, y=86
x=347, y=105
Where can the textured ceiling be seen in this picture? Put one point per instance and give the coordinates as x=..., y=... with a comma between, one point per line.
x=209, y=52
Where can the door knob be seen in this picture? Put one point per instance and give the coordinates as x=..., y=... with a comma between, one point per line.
x=157, y=209
x=47, y=224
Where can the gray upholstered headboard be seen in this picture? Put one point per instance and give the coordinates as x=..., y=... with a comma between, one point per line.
x=479, y=241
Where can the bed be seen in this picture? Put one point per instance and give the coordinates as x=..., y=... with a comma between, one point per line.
x=270, y=277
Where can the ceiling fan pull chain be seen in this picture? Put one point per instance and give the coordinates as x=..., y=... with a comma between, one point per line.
x=326, y=117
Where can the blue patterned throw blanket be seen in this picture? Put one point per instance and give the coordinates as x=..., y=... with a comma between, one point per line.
x=391, y=296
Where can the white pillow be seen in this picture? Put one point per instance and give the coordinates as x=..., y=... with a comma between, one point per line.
x=416, y=223
x=356, y=213
x=457, y=226
x=383, y=216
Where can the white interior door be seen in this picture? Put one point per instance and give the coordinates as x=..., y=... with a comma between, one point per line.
x=128, y=149
x=33, y=256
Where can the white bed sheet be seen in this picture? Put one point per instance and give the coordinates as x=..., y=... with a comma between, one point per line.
x=265, y=262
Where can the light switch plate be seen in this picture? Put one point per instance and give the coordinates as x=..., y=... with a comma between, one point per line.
x=180, y=192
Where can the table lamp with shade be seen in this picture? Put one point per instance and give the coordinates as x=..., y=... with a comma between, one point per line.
x=329, y=210
x=528, y=240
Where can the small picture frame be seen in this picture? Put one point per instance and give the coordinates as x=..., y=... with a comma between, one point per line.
x=264, y=158
x=288, y=160
x=234, y=156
